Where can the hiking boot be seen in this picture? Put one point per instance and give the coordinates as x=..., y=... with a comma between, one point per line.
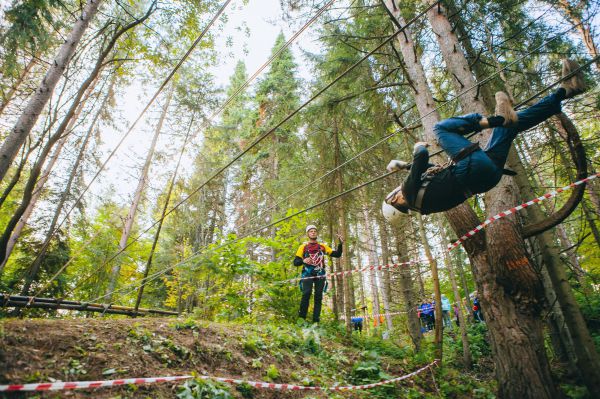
x=505, y=109
x=575, y=84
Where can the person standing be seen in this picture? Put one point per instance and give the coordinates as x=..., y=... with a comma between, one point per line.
x=446, y=312
x=311, y=256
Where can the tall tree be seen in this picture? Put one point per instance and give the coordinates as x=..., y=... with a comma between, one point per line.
x=30, y=114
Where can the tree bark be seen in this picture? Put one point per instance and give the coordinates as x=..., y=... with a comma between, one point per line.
x=516, y=342
x=369, y=242
x=35, y=266
x=436, y=287
x=510, y=266
x=573, y=14
x=15, y=86
x=28, y=118
x=348, y=302
x=384, y=275
x=137, y=197
x=407, y=289
x=587, y=359
x=467, y=358
x=39, y=186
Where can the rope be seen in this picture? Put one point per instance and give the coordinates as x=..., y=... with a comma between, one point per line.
x=199, y=252
x=415, y=123
x=216, y=113
x=128, y=132
x=517, y=208
x=259, y=139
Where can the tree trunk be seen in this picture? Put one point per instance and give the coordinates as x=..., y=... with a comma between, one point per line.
x=15, y=86
x=510, y=263
x=39, y=186
x=587, y=359
x=384, y=275
x=137, y=197
x=467, y=358
x=164, y=210
x=572, y=13
x=28, y=118
x=407, y=289
x=35, y=266
x=436, y=287
x=373, y=261
x=348, y=302
x=521, y=365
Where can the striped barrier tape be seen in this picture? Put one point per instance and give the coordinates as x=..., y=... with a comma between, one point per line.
x=373, y=316
x=348, y=272
x=518, y=208
x=59, y=386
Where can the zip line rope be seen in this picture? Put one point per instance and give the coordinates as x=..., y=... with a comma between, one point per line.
x=199, y=252
x=187, y=135
x=228, y=101
x=259, y=139
x=406, y=128
x=222, y=108
x=142, y=113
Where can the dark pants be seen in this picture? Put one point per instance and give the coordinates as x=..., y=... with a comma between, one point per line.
x=482, y=170
x=307, y=287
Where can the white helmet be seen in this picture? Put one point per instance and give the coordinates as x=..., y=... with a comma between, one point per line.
x=310, y=227
x=391, y=214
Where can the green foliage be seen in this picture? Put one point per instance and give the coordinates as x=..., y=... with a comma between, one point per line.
x=272, y=373
x=203, y=389
x=246, y=390
x=31, y=27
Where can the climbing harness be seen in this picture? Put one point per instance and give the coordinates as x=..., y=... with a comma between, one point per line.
x=314, y=251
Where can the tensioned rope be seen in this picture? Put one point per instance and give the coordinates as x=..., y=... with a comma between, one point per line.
x=199, y=252
x=221, y=109
x=142, y=113
x=259, y=139
x=406, y=128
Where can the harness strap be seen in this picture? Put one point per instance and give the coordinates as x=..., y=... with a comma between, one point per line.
x=465, y=152
x=421, y=195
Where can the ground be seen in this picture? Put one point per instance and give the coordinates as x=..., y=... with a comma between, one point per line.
x=41, y=350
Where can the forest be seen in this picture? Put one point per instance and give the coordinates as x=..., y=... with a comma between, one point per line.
x=185, y=215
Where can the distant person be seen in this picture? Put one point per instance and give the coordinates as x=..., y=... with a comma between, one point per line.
x=428, y=315
x=446, y=307
x=357, y=323
x=311, y=256
x=456, y=316
x=477, y=315
x=432, y=188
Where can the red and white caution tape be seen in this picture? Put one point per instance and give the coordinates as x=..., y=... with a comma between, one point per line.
x=518, y=208
x=59, y=386
x=376, y=384
x=348, y=272
x=374, y=316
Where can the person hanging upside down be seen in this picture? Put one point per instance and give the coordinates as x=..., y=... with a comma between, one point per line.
x=472, y=170
x=311, y=256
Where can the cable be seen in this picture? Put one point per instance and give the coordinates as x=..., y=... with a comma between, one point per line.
x=216, y=113
x=197, y=253
x=259, y=139
x=411, y=125
x=154, y=97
